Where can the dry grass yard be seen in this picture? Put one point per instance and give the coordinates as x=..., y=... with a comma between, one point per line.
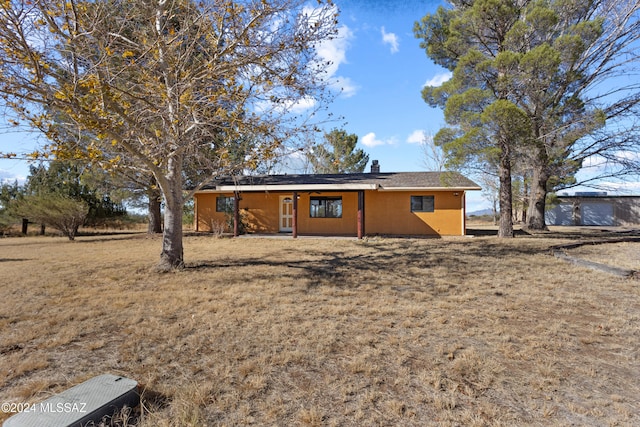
x=623, y=254
x=326, y=332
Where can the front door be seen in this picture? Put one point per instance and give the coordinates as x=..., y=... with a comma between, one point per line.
x=286, y=213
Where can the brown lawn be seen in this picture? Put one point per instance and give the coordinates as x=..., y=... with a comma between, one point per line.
x=335, y=332
x=622, y=254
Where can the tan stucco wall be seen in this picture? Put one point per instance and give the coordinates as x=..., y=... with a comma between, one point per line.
x=347, y=225
x=392, y=214
x=385, y=213
x=259, y=210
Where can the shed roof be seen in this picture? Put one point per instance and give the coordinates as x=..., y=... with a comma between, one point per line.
x=598, y=196
x=391, y=181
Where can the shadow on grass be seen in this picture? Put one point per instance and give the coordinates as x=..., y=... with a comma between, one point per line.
x=50, y=239
x=493, y=232
x=153, y=401
x=379, y=263
x=87, y=233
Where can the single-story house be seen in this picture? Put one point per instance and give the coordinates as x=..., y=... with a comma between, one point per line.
x=358, y=204
x=594, y=208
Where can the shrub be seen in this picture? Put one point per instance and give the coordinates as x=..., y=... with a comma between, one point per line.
x=6, y=221
x=54, y=210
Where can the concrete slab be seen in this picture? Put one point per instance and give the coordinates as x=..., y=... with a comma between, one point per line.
x=78, y=406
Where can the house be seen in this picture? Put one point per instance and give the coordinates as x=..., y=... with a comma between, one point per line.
x=401, y=203
x=594, y=208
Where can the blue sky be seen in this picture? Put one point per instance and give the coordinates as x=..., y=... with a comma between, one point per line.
x=383, y=71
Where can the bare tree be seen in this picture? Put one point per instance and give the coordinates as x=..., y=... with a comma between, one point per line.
x=165, y=83
x=433, y=156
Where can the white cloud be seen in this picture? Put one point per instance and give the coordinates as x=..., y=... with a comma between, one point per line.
x=630, y=187
x=391, y=39
x=438, y=79
x=611, y=187
x=8, y=177
x=334, y=52
x=301, y=105
x=599, y=163
x=294, y=162
x=626, y=155
x=331, y=52
x=370, y=140
x=345, y=86
x=417, y=137
x=287, y=106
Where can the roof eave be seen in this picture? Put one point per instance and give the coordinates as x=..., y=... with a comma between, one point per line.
x=429, y=188
x=296, y=187
x=325, y=187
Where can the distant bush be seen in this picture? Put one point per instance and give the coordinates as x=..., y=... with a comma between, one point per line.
x=123, y=222
x=54, y=210
x=6, y=222
x=481, y=218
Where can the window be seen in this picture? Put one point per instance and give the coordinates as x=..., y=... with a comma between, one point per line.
x=326, y=207
x=422, y=203
x=224, y=204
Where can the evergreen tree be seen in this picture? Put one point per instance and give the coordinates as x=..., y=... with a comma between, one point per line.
x=337, y=153
x=74, y=181
x=532, y=83
x=53, y=209
x=9, y=193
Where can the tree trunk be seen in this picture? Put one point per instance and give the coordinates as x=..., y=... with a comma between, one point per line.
x=505, y=229
x=155, y=216
x=236, y=214
x=73, y=231
x=172, y=251
x=537, y=205
x=526, y=197
x=495, y=211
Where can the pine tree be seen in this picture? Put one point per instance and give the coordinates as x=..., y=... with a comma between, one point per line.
x=337, y=153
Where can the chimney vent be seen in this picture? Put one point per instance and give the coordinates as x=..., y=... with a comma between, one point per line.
x=375, y=166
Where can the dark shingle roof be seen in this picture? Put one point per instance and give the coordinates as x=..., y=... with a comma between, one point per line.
x=391, y=180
